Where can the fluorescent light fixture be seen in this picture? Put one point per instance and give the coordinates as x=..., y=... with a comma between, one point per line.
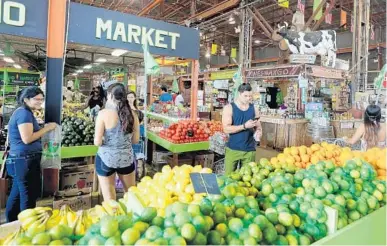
x=231, y=19
x=232, y=22
x=101, y=60
x=17, y=66
x=118, y=52
x=208, y=55
x=79, y=71
x=74, y=74
x=257, y=41
x=88, y=66
x=8, y=59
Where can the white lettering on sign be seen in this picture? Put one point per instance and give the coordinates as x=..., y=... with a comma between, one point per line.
x=159, y=41
x=5, y=13
x=135, y=34
x=104, y=27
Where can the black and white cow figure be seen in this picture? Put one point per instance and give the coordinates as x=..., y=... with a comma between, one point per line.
x=321, y=43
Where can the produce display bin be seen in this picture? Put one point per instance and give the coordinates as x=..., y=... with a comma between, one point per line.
x=162, y=117
x=79, y=151
x=370, y=230
x=177, y=148
x=74, y=152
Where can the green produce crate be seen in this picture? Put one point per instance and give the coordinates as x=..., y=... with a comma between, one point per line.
x=177, y=148
x=370, y=230
x=74, y=152
x=79, y=151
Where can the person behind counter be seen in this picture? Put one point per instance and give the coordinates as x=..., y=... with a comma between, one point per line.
x=371, y=132
x=23, y=161
x=116, y=130
x=165, y=96
x=240, y=120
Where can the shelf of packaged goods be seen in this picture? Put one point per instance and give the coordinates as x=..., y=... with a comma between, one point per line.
x=157, y=116
x=177, y=148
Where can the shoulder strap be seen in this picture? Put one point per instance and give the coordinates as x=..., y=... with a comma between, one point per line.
x=4, y=157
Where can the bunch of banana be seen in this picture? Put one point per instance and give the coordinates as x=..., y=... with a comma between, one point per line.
x=39, y=215
x=64, y=216
x=96, y=213
x=12, y=237
x=82, y=223
x=113, y=208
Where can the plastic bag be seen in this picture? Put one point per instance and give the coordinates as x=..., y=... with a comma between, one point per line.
x=51, y=149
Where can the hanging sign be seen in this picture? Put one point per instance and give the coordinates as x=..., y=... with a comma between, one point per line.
x=226, y=74
x=283, y=71
x=24, y=79
x=94, y=26
x=342, y=64
x=24, y=18
x=302, y=59
x=112, y=29
x=325, y=72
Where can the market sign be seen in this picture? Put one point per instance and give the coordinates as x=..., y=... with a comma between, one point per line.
x=325, y=72
x=100, y=27
x=226, y=74
x=267, y=72
x=302, y=59
x=26, y=18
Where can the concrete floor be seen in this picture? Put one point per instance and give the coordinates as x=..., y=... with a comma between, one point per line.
x=265, y=153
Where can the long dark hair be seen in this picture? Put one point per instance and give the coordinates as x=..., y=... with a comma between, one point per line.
x=135, y=100
x=28, y=93
x=125, y=115
x=372, y=117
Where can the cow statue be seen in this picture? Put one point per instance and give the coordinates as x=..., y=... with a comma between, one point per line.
x=321, y=43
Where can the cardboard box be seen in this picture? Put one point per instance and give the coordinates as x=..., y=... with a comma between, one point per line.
x=76, y=199
x=216, y=115
x=76, y=180
x=205, y=159
x=182, y=159
x=160, y=157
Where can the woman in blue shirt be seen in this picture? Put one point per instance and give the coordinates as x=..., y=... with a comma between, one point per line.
x=23, y=161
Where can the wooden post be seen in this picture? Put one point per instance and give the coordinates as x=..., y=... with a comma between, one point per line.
x=194, y=89
x=318, y=23
x=314, y=14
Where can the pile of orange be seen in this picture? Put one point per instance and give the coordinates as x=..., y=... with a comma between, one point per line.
x=303, y=156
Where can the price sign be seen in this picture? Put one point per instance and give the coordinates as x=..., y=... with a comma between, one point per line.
x=205, y=183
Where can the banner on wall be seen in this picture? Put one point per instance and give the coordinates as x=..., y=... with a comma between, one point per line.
x=101, y=27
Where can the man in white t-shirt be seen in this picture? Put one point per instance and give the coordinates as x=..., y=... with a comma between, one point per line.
x=179, y=99
x=68, y=94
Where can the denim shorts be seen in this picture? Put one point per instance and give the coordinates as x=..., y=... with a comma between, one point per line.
x=105, y=171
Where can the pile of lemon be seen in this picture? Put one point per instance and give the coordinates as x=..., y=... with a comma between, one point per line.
x=168, y=186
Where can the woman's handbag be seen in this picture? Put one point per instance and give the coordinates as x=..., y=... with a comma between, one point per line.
x=3, y=177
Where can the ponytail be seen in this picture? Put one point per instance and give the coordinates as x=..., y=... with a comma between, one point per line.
x=126, y=116
x=124, y=111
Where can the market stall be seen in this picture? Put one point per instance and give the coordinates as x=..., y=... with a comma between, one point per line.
x=291, y=96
